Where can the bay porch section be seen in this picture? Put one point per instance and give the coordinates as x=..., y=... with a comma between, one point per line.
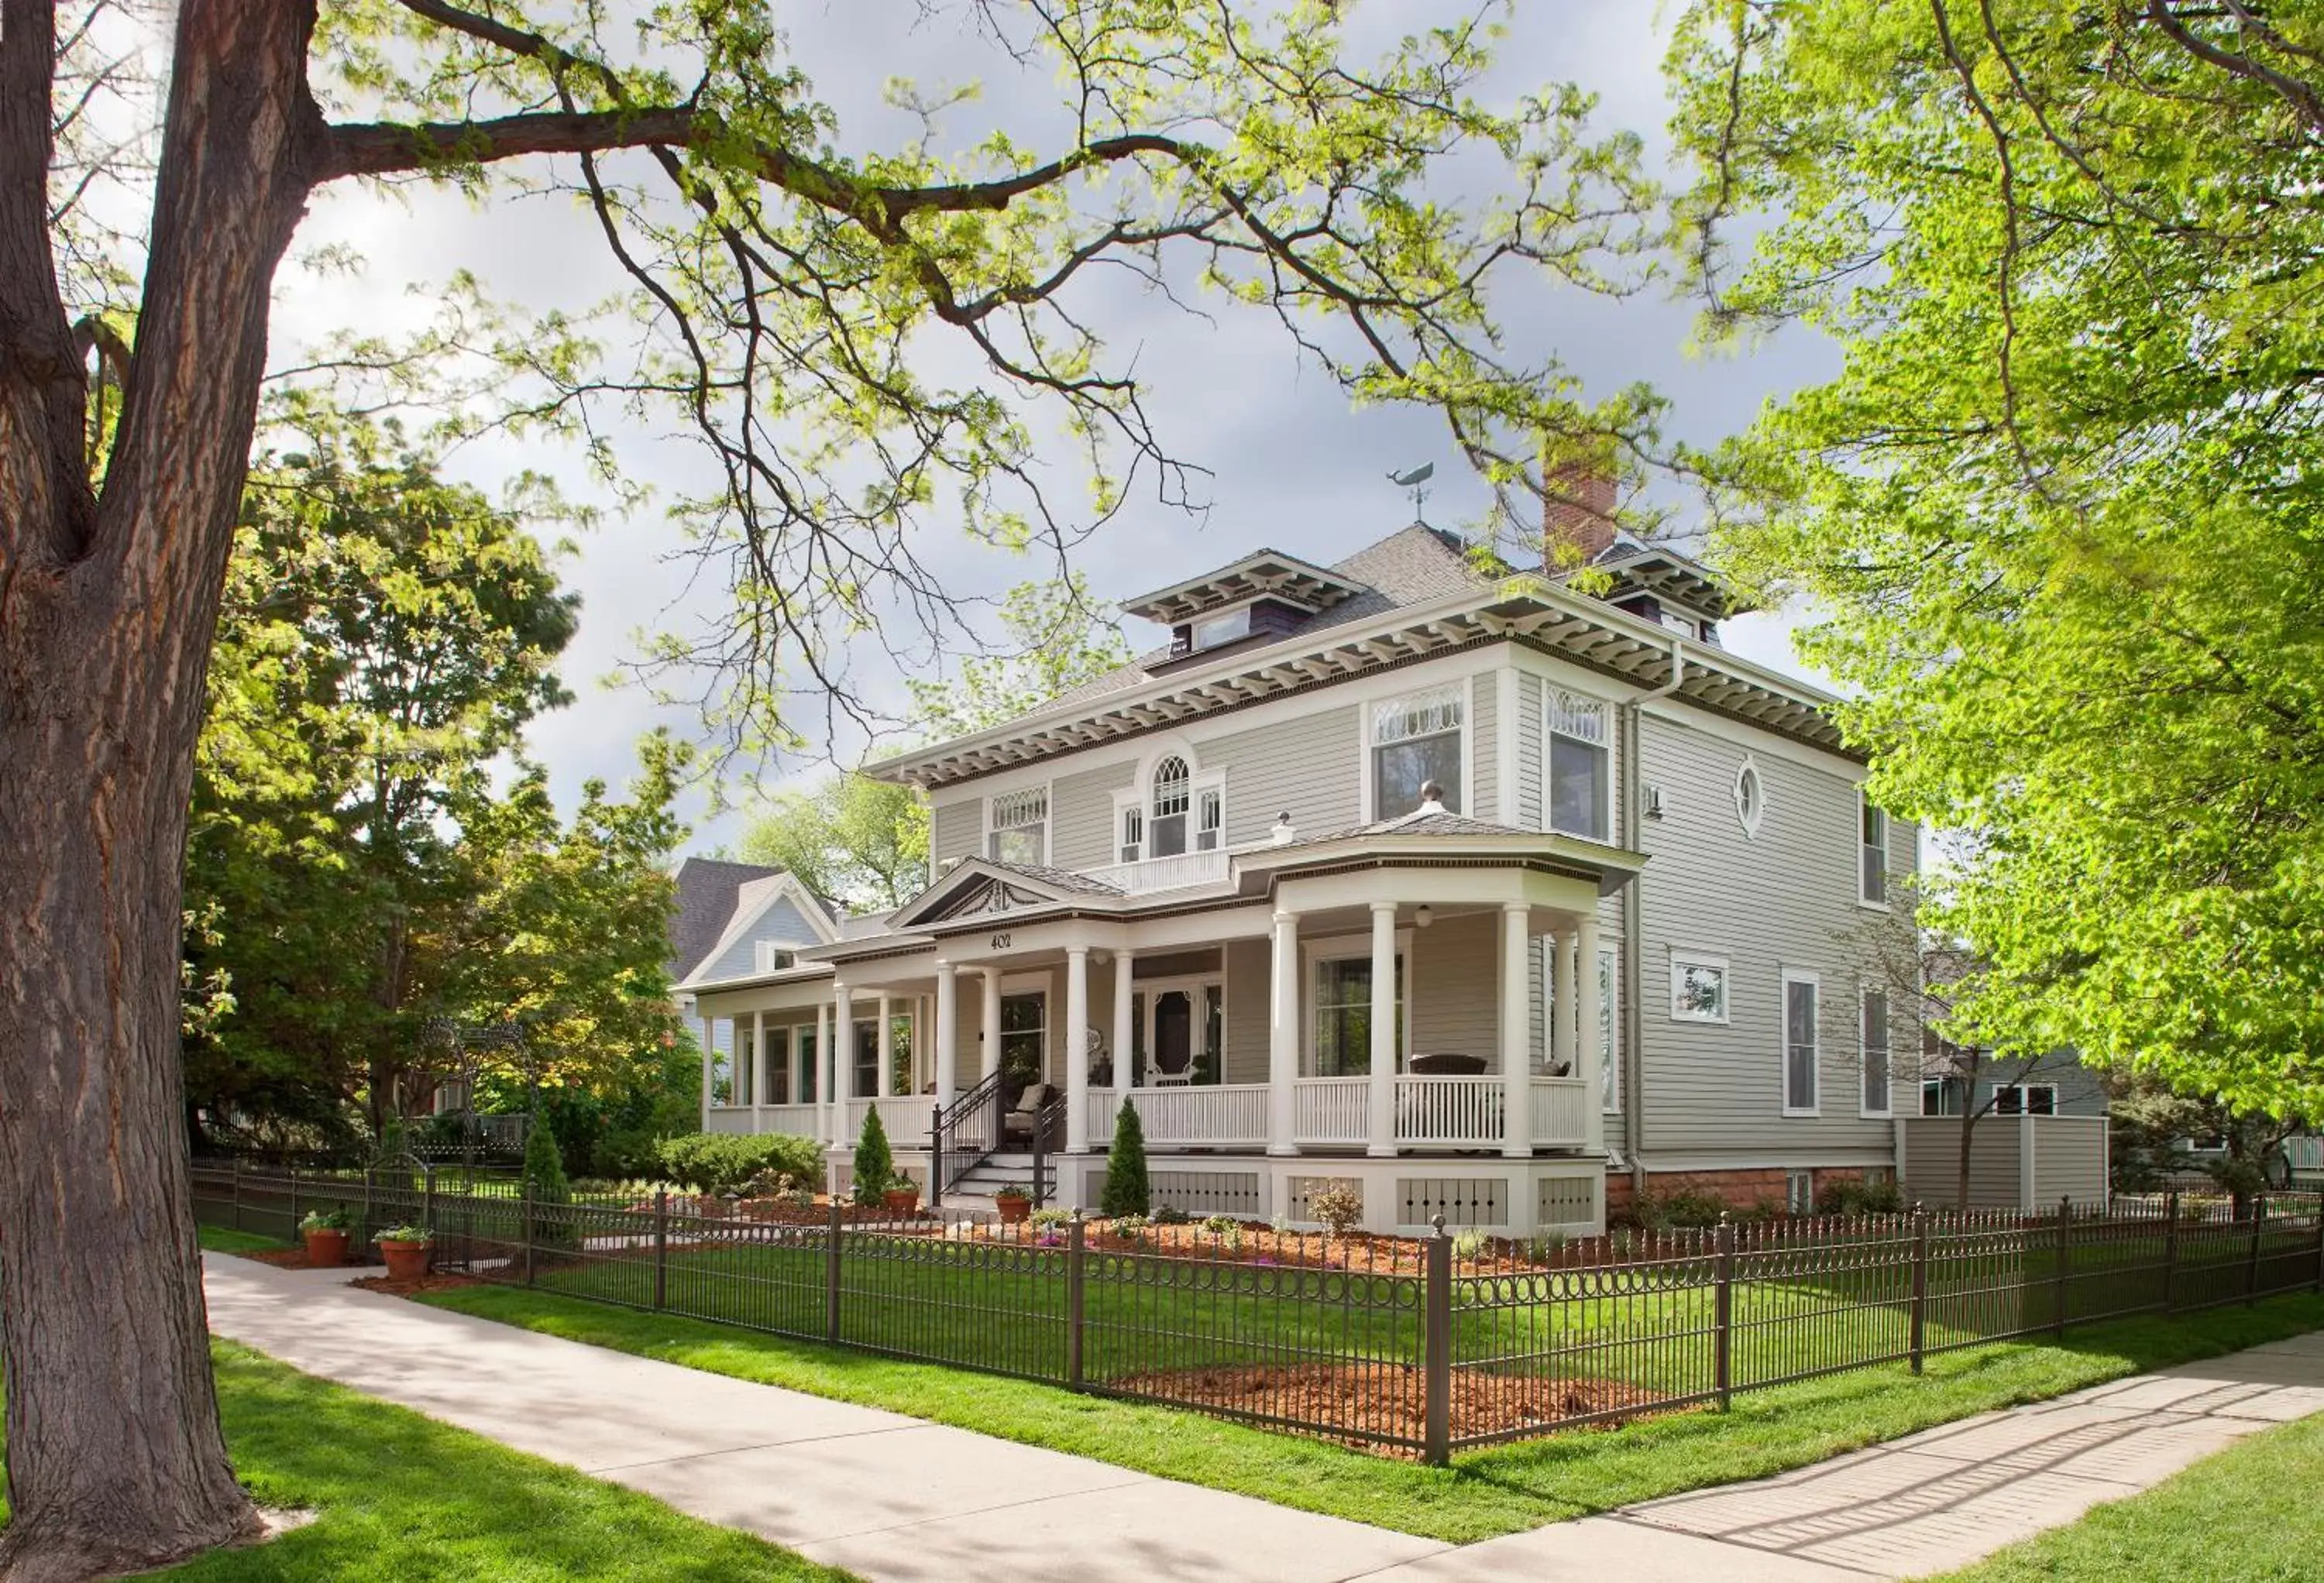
x=1424, y=1031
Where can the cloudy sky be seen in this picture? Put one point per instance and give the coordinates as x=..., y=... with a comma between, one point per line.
x=1292, y=466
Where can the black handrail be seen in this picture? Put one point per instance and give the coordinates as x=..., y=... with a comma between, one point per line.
x=956, y=1147
x=1048, y=1122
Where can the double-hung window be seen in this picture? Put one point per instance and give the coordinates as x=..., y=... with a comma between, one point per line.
x=1019, y=828
x=1872, y=884
x=1581, y=765
x=1801, y=995
x=1874, y=1016
x=1343, y=1013
x=1416, y=739
x=2027, y=1099
x=1173, y=811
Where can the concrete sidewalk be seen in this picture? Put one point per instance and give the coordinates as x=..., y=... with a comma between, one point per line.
x=891, y=1498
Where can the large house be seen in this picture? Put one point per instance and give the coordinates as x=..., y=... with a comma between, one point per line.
x=1489, y=897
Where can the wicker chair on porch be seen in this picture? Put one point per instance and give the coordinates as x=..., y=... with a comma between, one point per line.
x=1017, y=1125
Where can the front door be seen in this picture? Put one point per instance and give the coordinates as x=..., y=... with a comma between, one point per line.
x=1181, y=1022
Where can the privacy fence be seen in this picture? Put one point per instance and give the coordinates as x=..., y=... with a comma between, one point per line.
x=1407, y=1346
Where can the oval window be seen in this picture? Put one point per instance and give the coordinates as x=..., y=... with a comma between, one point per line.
x=1750, y=798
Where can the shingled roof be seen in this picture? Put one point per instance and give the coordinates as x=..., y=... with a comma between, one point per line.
x=706, y=889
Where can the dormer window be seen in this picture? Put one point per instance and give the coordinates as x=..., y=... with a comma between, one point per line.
x=1415, y=740
x=1019, y=830
x=1173, y=811
x=1222, y=629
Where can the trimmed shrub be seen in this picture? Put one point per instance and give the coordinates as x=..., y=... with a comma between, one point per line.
x=1686, y=1208
x=553, y=1224
x=725, y=1163
x=1340, y=1208
x=1127, y=1192
x=1860, y=1198
x=875, y=1162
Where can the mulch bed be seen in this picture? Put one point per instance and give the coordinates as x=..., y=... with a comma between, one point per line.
x=282, y=1258
x=1387, y=1398
x=430, y=1283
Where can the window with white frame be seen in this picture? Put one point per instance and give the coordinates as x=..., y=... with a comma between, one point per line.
x=1343, y=999
x=1875, y=1017
x=1801, y=998
x=1416, y=739
x=1872, y=883
x=1019, y=832
x=1941, y=1096
x=2025, y=1099
x=779, y=1065
x=1610, y=1032
x=1698, y=988
x=1174, y=810
x=1799, y=1192
x=1581, y=764
x=1750, y=798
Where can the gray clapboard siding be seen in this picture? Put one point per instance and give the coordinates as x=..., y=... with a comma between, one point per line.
x=1248, y=969
x=2069, y=1159
x=1484, y=746
x=1530, y=813
x=1455, y=979
x=1081, y=815
x=1309, y=767
x=781, y=923
x=1932, y=1172
x=1786, y=899
x=954, y=828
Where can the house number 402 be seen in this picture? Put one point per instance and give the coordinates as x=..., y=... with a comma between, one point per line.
x=1000, y=943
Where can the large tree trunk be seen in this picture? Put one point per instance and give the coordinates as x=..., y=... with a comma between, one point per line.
x=107, y=607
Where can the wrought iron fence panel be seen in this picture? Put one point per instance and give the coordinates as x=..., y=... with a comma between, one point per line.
x=1818, y=1297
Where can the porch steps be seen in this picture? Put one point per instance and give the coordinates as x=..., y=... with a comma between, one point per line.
x=976, y=1187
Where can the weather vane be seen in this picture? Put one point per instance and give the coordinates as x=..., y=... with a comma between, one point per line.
x=1415, y=481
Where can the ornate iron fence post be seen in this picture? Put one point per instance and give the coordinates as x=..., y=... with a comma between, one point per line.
x=2065, y=1264
x=295, y=1216
x=1722, y=1314
x=428, y=1197
x=1075, y=1300
x=832, y=1253
x=527, y=1211
x=1436, y=1350
x=363, y=1233
x=2251, y=1257
x=1040, y=1163
x=661, y=1247
x=2170, y=1250
x=1920, y=1287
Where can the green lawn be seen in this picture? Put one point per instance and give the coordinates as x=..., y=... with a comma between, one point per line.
x=1485, y=1494
x=399, y=1498
x=226, y=1239
x=2250, y=1513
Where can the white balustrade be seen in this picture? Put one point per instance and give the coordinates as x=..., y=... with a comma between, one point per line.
x=1457, y=1110
x=1175, y=872
x=1329, y=1110
x=1102, y=1104
x=906, y=1117
x=1203, y=1114
x=1559, y=1111
x=802, y=1121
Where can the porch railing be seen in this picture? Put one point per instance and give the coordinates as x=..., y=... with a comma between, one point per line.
x=905, y=1117
x=1561, y=1113
x=1461, y=1110
x=1171, y=873
x=963, y=1135
x=1332, y=1111
x=1335, y=1113
x=1224, y=1114
x=805, y=1120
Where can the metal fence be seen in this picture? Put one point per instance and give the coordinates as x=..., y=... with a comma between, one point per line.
x=1410, y=1347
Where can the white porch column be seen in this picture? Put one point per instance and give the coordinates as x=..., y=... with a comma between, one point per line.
x=709, y=1069
x=1589, y=1044
x=1124, y=1036
x=885, y=1078
x=827, y=1127
x=947, y=1031
x=1077, y=1051
x=1516, y=1029
x=759, y=1070
x=1561, y=1001
x=1283, y=1035
x=1380, y=1089
x=991, y=1051
x=843, y=1061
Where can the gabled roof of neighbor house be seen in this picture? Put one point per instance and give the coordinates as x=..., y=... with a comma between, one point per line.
x=1420, y=591
x=720, y=902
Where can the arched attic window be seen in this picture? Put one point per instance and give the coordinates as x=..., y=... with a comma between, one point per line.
x=1173, y=811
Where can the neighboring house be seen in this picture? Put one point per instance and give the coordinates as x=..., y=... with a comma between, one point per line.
x=735, y=919
x=1495, y=899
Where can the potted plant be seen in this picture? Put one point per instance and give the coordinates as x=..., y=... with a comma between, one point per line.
x=1014, y=1204
x=324, y=1233
x=901, y=1196
x=406, y=1249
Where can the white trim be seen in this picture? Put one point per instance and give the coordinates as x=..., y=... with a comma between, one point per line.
x=1550, y=693
x=1864, y=806
x=1751, y=812
x=1048, y=790
x=1348, y=948
x=1792, y=976
x=1194, y=985
x=1864, y=1051
x=778, y=887
x=1679, y=958
x=1366, y=720
x=1997, y=1089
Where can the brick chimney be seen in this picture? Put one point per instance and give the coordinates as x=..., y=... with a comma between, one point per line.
x=1577, y=516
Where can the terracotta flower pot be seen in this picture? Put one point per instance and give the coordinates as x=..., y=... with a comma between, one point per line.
x=1013, y=1210
x=406, y=1261
x=900, y=1201
x=326, y=1249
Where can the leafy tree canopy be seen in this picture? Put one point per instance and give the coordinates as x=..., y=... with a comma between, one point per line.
x=2059, y=514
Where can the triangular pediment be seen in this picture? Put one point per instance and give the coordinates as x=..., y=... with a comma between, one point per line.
x=978, y=888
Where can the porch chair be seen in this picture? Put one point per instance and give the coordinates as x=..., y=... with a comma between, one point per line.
x=1019, y=1122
